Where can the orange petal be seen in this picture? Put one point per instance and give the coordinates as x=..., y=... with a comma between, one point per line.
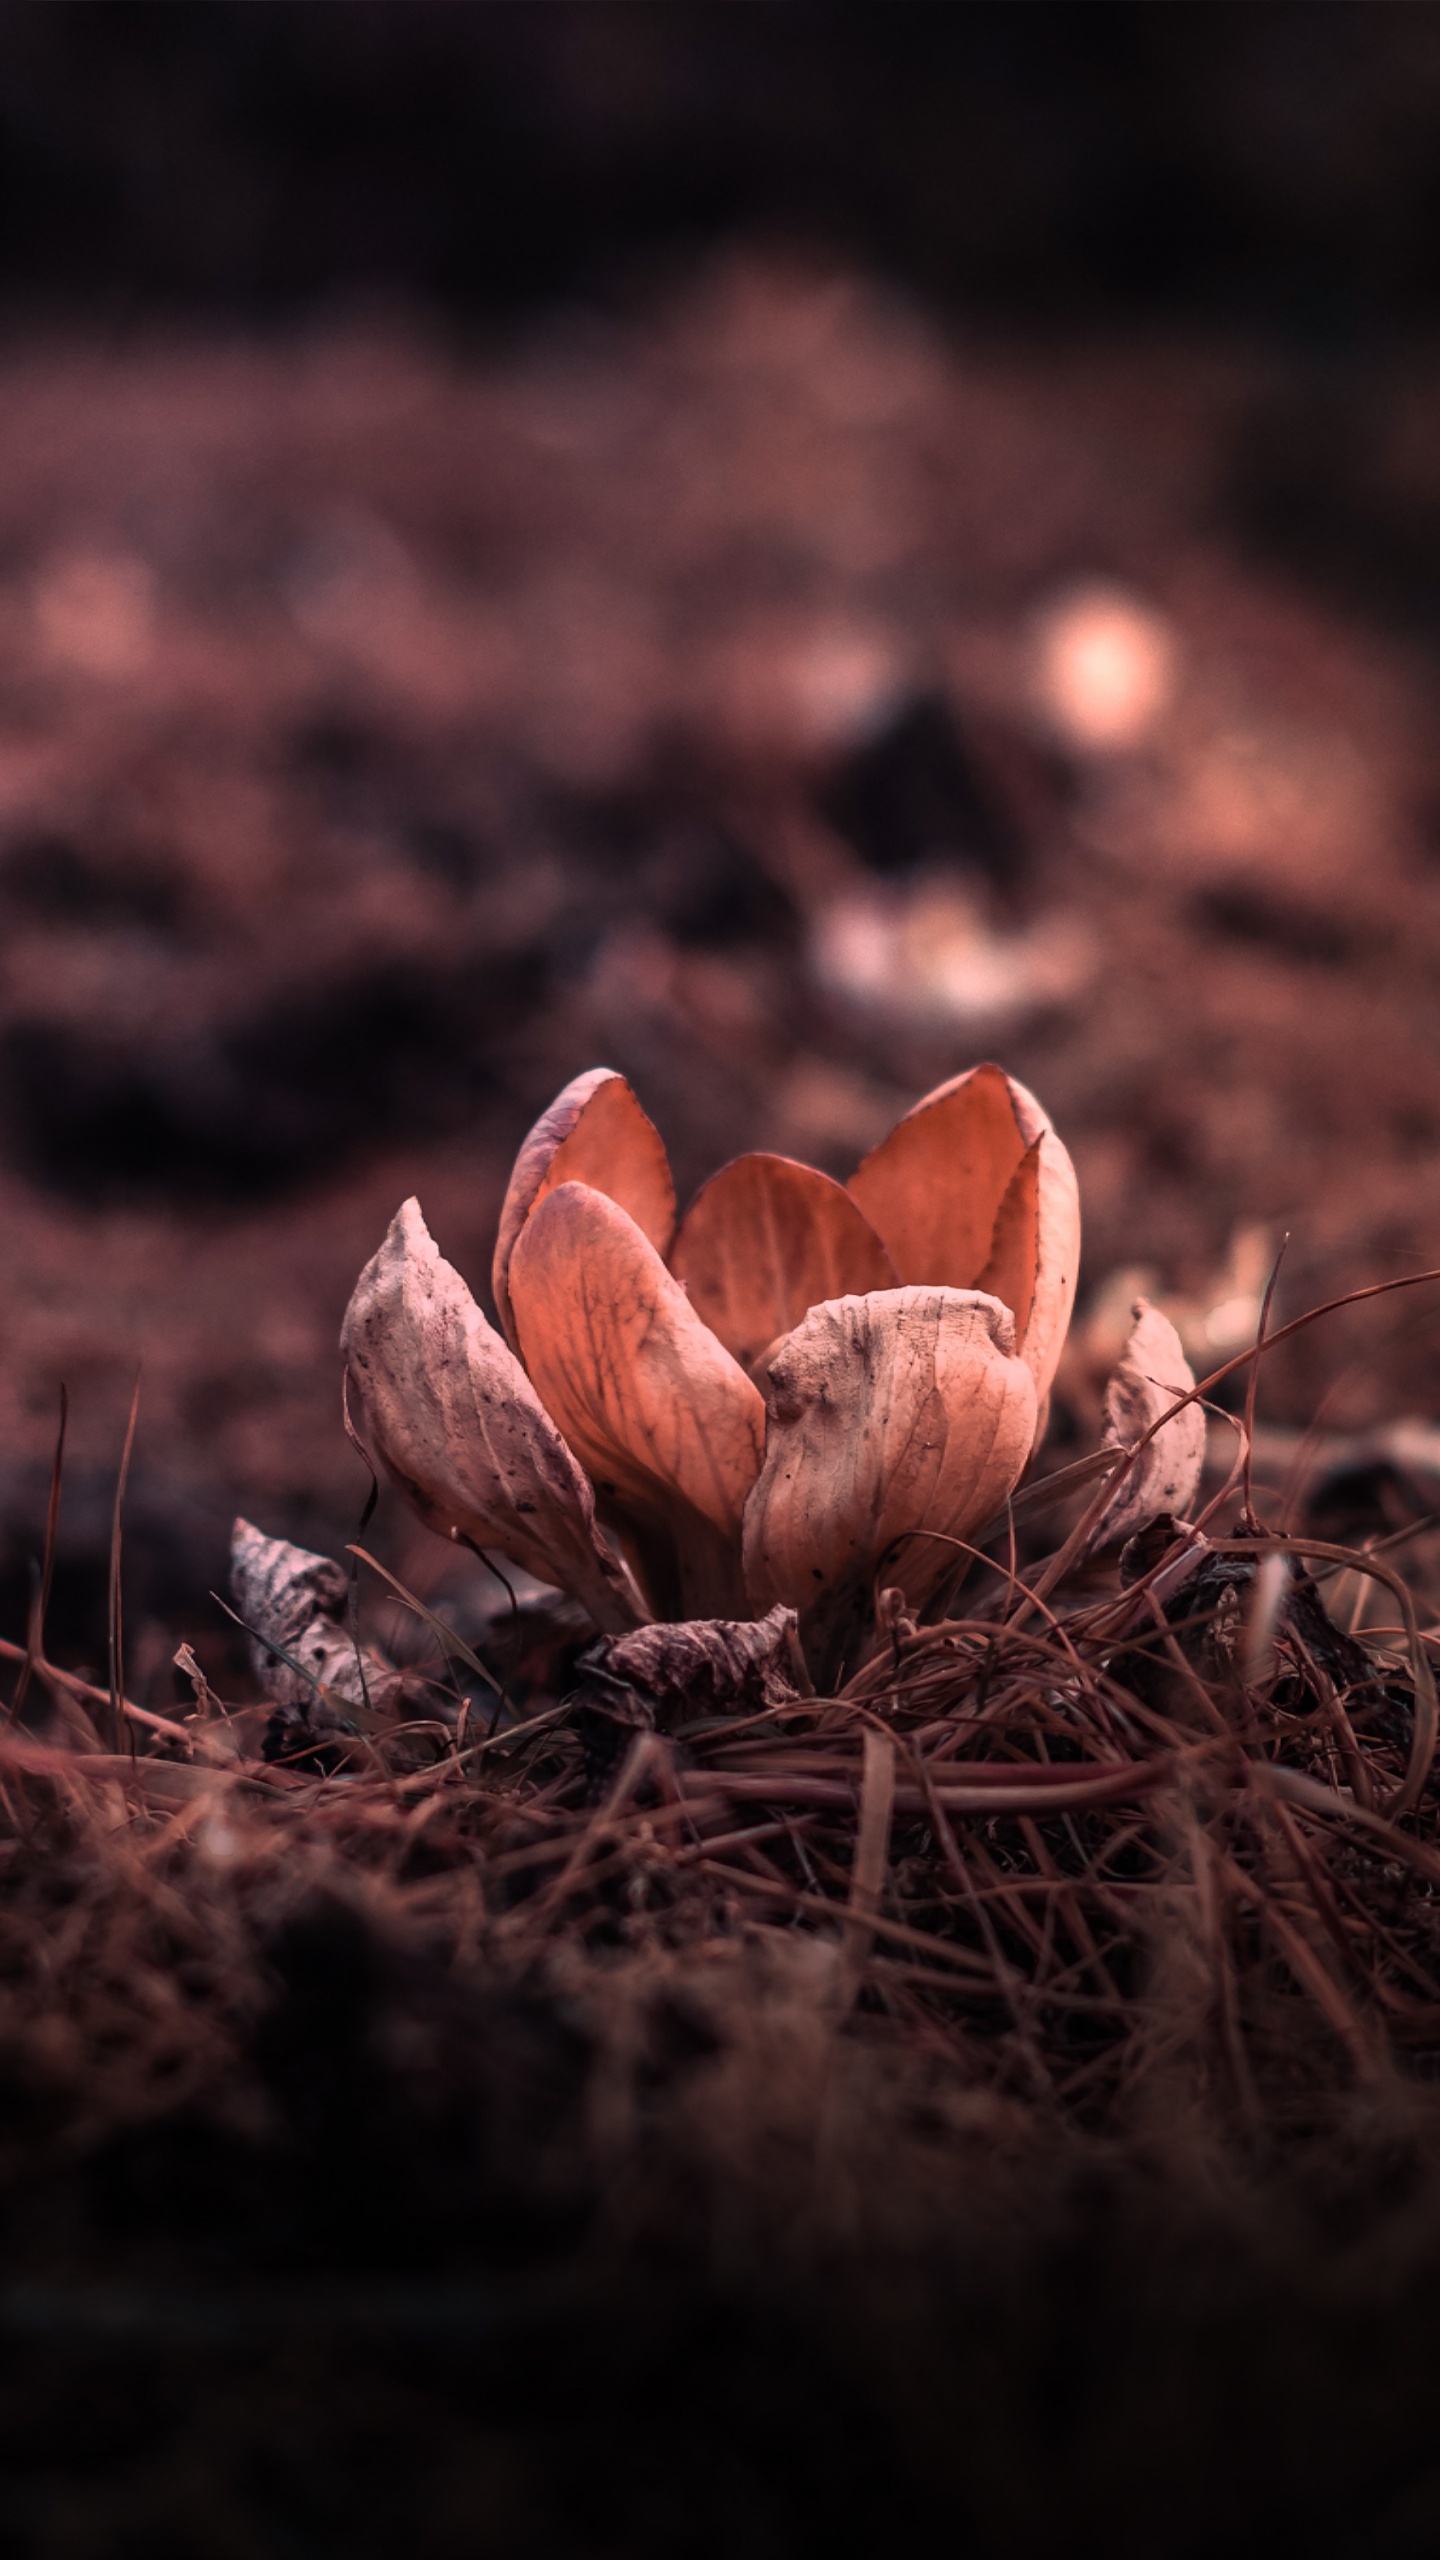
x=973, y=1189
x=765, y=1240
x=1013, y=1267
x=670, y=1429
x=447, y=1411
x=931, y=1190
x=595, y=1132
x=1035, y=1254
x=908, y=1410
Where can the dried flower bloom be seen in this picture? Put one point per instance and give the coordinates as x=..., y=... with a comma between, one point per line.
x=805, y=1384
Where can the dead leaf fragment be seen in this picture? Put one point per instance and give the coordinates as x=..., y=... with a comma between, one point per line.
x=701, y=1667
x=765, y=1240
x=904, y=1411
x=446, y=1409
x=294, y=1603
x=1165, y=1477
x=595, y=1132
x=668, y=1425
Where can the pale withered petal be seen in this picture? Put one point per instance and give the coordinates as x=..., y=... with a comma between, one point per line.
x=595, y=1132
x=668, y=1425
x=764, y=1240
x=447, y=1411
x=974, y=1190
x=905, y=1410
x=293, y=1599
x=1151, y=1373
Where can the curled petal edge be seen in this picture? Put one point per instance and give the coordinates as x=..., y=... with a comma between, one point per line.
x=594, y=1132
x=447, y=1412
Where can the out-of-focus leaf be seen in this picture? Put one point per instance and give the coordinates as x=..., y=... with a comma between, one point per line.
x=668, y=1425
x=595, y=1132
x=907, y=1410
x=765, y=1240
x=446, y=1409
x=1152, y=1372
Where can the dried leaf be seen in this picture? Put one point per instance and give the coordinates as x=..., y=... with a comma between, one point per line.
x=595, y=1132
x=907, y=1410
x=293, y=1603
x=446, y=1409
x=765, y=1240
x=668, y=1425
x=1152, y=1372
x=700, y=1667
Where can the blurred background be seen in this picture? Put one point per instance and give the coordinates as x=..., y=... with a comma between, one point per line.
x=782, y=547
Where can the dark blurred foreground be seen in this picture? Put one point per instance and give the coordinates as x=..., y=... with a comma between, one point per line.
x=644, y=2264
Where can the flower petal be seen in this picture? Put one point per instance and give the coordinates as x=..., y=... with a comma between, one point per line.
x=446, y=1409
x=766, y=1239
x=932, y=1189
x=1151, y=1373
x=1035, y=1254
x=904, y=1411
x=949, y=1194
x=595, y=1132
x=670, y=1429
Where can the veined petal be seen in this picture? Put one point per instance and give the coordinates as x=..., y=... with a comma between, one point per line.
x=447, y=1411
x=1035, y=1254
x=932, y=1189
x=595, y=1132
x=973, y=1189
x=1153, y=1371
x=904, y=1411
x=669, y=1427
x=766, y=1239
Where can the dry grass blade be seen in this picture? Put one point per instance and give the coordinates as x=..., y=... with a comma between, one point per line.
x=117, y=1626
x=449, y=1640
x=40, y=1597
x=1427, y=1709
x=872, y=1844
